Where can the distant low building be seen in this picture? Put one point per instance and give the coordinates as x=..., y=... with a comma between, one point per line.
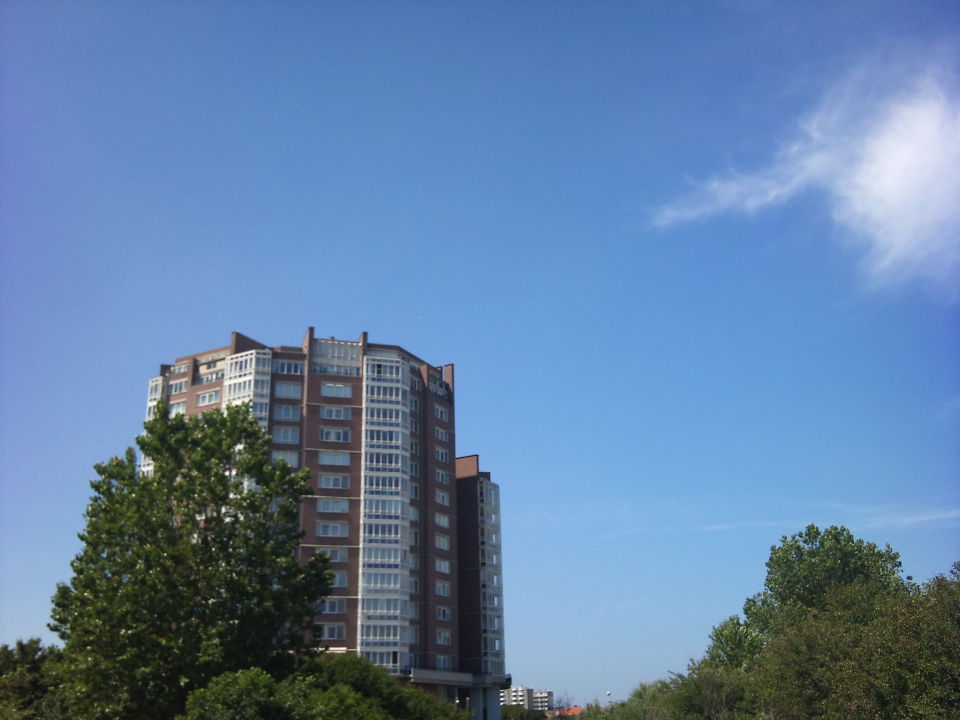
x=528, y=698
x=543, y=700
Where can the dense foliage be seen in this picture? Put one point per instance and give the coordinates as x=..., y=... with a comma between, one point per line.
x=836, y=634
x=25, y=678
x=186, y=572
x=327, y=687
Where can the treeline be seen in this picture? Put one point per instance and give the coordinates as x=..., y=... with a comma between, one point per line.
x=836, y=634
x=323, y=687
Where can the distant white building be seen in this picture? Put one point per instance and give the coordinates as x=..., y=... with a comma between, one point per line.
x=530, y=699
x=543, y=701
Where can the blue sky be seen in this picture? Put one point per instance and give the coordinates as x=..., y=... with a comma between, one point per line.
x=697, y=264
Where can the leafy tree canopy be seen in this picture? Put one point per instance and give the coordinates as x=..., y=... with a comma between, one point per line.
x=733, y=644
x=329, y=687
x=186, y=572
x=24, y=678
x=804, y=568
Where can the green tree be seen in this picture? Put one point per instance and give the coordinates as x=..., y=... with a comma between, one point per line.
x=513, y=712
x=329, y=687
x=24, y=678
x=402, y=702
x=804, y=567
x=186, y=572
x=733, y=644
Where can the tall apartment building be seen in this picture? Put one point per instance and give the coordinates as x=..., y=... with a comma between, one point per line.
x=412, y=531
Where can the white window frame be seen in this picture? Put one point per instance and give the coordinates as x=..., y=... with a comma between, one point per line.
x=341, y=390
x=332, y=528
x=333, y=505
x=208, y=398
x=286, y=435
x=286, y=413
x=333, y=457
x=327, y=481
x=336, y=412
x=288, y=390
x=291, y=456
x=335, y=434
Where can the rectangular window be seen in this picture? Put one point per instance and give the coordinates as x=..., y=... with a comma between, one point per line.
x=441, y=413
x=444, y=637
x=444, y=662
x=442, y=566
x=339, y=579
x=443, y=613
x=331, y=529
x=440, y=434
x=292, y=457
x=415, y=404
x=208, y=398
x=335, y=434
x=326, y=457
x=333, y=482
x=178, y=408
x=442, y=497
x=332, y=631
x=442, y=454
x=442, y=541
x=384, y=416
x=289, y=413
x=384, y=393
x=331, y=606
x=333, y=369
x=178, y=387
x=442, y=476
x=379, y=438
x=288, y=367
x=443, y=588
x=333, y=505
x=287, y=390
x=337, y=554
x=336, y=412
x=286, y=435
x=336, y=390
x=441, y=520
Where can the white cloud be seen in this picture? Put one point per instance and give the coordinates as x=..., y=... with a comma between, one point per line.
x=883, y=146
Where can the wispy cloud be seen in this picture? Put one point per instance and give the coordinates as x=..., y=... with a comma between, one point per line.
x=856, y=517
x=883, y=145
x=742, y=525
x=897, y=517
x=687, y=528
